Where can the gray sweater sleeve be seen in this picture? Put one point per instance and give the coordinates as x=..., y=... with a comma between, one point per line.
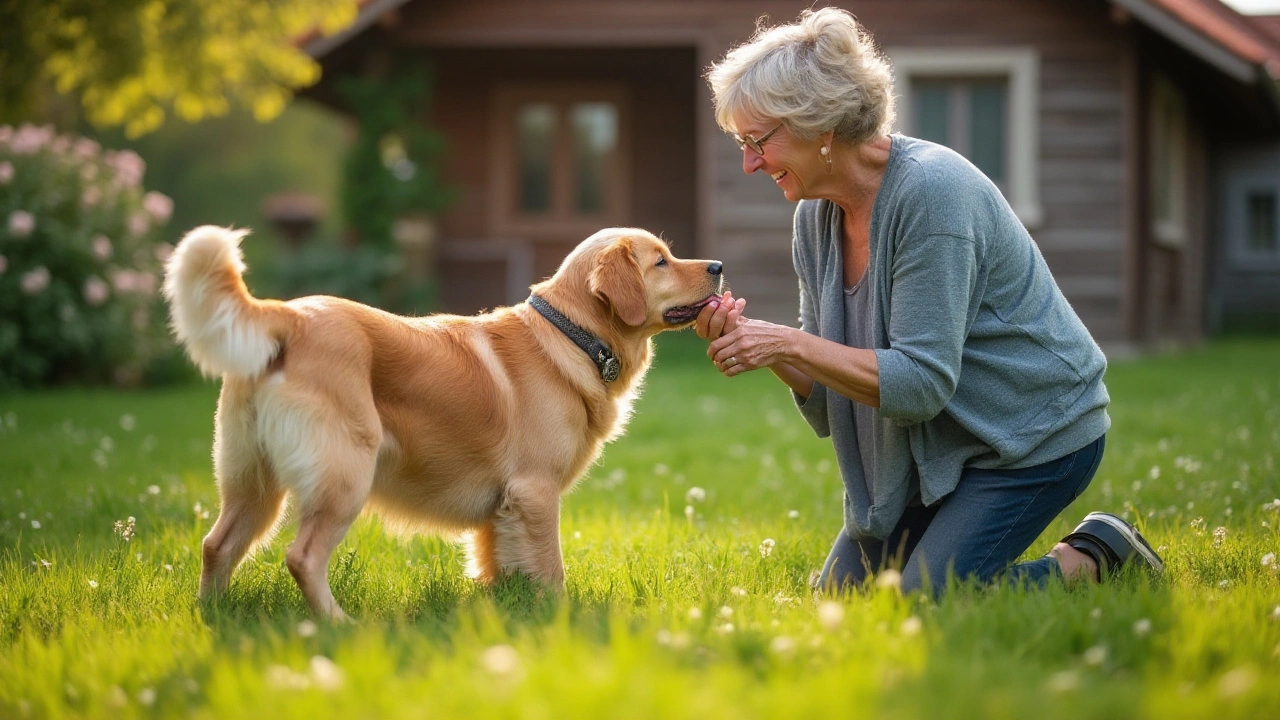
x=933, y=283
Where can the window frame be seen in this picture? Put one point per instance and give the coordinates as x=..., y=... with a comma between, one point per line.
x=1021, y=65
x=562, y=219
x=1241, y=256
x=1167, y=142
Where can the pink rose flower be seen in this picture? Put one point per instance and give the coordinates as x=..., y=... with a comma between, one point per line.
x=102, y=248
x=95, y=291
x=128, y=166
x=21, y=223
x=159, y=205
x=6, y=172
x=35, y=281
x=91, y=196
x=139, y=223
x=31, y=139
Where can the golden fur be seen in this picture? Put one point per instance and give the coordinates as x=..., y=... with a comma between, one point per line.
x=442, y=423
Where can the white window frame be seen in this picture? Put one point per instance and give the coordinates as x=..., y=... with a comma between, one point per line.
x=1022, y=66
x=1242, y=257
x=1168, y=138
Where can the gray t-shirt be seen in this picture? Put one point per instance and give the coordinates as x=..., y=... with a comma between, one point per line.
x=982, y=361
x=858, y=318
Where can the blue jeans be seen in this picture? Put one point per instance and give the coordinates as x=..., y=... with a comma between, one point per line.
x=976, y=532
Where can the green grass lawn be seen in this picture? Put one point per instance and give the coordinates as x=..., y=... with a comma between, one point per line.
x=676, y=607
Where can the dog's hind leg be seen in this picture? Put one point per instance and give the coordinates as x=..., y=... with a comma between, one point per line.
x=326, y=512
x=251, y=504
x=251, y=499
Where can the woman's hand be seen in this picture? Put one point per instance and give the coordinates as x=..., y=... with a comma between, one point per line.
x=719, y=316
x=751, y=345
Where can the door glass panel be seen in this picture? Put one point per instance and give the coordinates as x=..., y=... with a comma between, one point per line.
x=1262, y=221
x=536, y=128
x=932, y=110
x=987, y=119
x=595, y=135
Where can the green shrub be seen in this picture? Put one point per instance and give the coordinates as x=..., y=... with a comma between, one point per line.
x=80, y=263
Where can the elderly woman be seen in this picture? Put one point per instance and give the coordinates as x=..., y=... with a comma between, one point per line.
x=963, y=395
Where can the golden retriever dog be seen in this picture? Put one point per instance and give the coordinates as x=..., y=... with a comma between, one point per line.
x=442, y=423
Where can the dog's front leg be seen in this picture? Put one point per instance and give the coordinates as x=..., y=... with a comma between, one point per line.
x=526, y=532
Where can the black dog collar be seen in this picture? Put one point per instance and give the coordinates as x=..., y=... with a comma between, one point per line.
x=595, y=349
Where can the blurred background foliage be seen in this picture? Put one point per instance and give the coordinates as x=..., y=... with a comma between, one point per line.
x=201, y=92
x=136, y=63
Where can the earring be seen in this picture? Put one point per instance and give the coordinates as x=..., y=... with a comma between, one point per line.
x=825, y=152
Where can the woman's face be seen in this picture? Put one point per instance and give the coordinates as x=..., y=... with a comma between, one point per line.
x=794, y=164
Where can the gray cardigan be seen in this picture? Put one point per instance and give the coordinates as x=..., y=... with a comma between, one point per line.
x=982, y=361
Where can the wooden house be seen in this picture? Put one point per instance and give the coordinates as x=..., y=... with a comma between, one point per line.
x=1138, y=140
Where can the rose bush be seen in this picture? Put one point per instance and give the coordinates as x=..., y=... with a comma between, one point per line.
x=80, y=263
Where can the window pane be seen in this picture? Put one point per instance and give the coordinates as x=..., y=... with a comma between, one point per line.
x=595, y=134
x=987, y=128
x=932, y=111
x=536, y=127
x=1262, y=221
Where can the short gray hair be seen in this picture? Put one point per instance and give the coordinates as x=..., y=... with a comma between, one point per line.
x=822, y=72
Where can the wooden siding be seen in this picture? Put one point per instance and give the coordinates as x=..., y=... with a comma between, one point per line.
x=687, y=179
x=662, y=93
x=1083, y=166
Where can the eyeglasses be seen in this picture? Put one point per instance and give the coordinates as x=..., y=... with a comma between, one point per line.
x=748, y=141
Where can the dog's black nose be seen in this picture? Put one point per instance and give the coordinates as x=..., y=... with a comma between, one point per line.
x=715, y=268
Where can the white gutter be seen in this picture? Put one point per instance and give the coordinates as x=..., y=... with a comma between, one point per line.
x=367, y=16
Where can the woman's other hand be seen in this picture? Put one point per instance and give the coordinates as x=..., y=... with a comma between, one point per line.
x=720, y=316
x=750, y=345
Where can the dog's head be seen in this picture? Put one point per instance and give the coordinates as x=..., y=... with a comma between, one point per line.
x=630, y=275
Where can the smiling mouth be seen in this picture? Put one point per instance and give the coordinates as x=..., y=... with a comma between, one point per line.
x=778, y=175
x=687, y=313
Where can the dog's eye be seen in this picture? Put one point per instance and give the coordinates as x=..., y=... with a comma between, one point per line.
x=661, y=261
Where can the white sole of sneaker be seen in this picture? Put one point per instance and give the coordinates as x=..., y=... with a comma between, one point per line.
x=1124, y=529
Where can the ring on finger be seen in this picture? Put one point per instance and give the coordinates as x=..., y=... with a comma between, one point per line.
x=731, y=362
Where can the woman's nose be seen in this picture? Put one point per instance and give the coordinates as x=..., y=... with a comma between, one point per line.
x=751, y=160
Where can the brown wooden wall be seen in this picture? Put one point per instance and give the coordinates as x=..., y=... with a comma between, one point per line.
x=688, y=181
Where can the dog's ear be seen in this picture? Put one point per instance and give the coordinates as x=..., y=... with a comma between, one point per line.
x=616, y=280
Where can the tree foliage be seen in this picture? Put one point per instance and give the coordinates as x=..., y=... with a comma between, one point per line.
x=132, y=63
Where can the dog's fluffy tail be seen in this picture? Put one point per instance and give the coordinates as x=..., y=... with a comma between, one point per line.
x=225, y=330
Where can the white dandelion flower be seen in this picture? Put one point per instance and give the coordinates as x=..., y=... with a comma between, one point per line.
x=500, y=660
x=1142, y=627
x=766, y=547
x=830, y=614
x=325, y=673
x=1095, y=655
x=889, y=579
x=911, y=626
x=695, y=494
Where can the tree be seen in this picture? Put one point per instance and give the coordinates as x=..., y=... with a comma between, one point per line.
x=134, y=62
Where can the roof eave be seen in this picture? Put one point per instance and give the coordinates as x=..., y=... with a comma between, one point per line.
x=370, y=12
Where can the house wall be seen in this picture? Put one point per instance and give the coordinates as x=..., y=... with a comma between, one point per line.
x=661, y=97
x=1084, y=163
x=1085, y=160
x=1245, y=289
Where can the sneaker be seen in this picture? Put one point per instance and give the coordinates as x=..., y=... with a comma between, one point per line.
x=1112, y=543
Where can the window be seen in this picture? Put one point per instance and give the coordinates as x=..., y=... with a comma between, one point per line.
x=1168, y=163
x=984, y=104
x=559, y=160
x=968, y=115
